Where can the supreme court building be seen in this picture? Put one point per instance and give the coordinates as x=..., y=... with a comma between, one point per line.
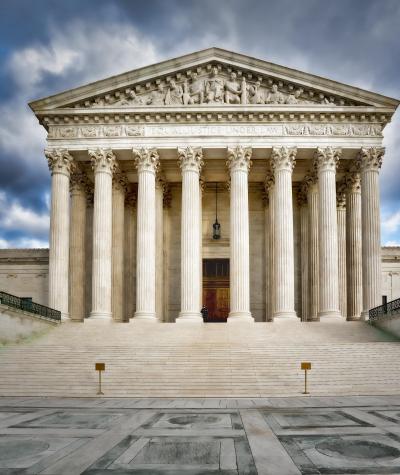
x=214, y=180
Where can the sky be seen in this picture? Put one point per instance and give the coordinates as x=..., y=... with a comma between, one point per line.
x=47, y=46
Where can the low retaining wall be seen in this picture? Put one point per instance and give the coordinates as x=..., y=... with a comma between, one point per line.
x=17, y=325
x=389, y=324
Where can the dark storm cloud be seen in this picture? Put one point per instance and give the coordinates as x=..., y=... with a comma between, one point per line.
x=48, y=46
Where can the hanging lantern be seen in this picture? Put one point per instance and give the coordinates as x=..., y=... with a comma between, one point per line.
x=216, y=225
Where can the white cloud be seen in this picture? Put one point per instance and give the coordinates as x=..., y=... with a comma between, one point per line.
x=392, y=243
x=23, y=243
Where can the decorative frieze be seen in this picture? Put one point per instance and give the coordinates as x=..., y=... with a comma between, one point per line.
x=191, y=130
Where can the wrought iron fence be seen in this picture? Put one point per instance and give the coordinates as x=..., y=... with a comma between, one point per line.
x=386, y=310
x=26, y=304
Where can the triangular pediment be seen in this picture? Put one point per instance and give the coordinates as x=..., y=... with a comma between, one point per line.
x=213, y=77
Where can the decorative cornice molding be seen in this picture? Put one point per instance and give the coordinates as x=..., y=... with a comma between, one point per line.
x=283, y=158
x=146, y=159
x=326, y=159
x=60, y=161
x=239, y=159
x=103, y=160
x=190, y=159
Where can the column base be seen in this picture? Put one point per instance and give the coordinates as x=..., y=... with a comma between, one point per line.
x=285, y=314
x=335, y=314
x=353, y=318
x=65, y=317
x=239, y=317
x=145, y=317
x=106, y=316
x=364, y=315
x=189, y=317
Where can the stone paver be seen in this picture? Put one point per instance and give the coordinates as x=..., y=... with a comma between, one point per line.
x=194, y=436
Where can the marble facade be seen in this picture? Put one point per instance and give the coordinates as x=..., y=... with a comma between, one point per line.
x=133, y=159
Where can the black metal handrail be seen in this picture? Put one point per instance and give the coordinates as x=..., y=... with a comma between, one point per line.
x=26, y=304
x=386, y=310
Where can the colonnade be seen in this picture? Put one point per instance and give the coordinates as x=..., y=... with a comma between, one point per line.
x=321, y=229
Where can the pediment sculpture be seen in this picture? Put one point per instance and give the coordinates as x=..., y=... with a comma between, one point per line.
x=215, y=87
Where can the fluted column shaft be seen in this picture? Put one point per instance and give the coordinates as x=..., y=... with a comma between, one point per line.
x=191, y=161
x=304, y=251
x=312, y=197
x=283, y=161
x=370, y=163
x=130, y=252
x=354, y=246
x=326, y=160
x=342, y=268
x=77, y=258
x=118, y=238
x=103, y=162
x=60, y=163
x=268, y=218
x=147, y=162
x=239, y=164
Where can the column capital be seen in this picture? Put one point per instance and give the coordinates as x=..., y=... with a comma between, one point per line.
x=370, y=159
x=103, y=160
x=326, y=159
x=269, y=183
x=190, y=159
x=120, y=182
x=239, y=158
x=301, y=195
x=341, y=195
x=79, y=182
x=353, y=180
x=146, y=159
x=283, y=158
x=60, y=161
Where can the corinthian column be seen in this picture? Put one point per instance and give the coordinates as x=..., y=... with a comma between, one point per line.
x=118, y=258
x=326, y=162
x=103, y=164
x=190, y=161
x=341, y=223
x=370, y=160
x=313, y=263
x=147, y=162
x=353, y=245
x=269, y=243
x=61, y=164
x=239, y=164
x=77, y=257
x=283, y=161
x=304, y=248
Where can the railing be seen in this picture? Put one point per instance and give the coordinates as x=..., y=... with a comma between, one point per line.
x=26, y=304
x=383, y=311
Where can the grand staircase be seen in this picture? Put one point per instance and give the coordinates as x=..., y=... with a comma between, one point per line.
x=211, y=360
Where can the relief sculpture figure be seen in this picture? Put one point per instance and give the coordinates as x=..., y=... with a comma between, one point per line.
x=294, y=97
x=255, y=94
x=275, y=97
x=215, y=87
x=174, y=94
x=196, y=90
x=157, y=97
x=233, y=90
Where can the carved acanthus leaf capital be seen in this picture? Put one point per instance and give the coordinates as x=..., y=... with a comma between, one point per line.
x=370, y=159
x=146, y=159
x=239, y=158
x=341, y=195
x=283, y=158
x=131, y=197
x=103, y=160
x=78, y=182
x=326, y=159
x=120, y=181
x=60, y=161
x=353, y=178
x=190, y=159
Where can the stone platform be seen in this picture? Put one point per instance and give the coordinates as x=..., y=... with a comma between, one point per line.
x=210, y=360
x=197, y=436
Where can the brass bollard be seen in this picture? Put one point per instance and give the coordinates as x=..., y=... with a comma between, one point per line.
x=305, y=366
x=100, y=367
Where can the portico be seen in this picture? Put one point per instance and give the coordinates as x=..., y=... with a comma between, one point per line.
x=288, y=152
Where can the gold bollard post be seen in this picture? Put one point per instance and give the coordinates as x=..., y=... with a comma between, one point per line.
x=305, y=366
x=100, y=367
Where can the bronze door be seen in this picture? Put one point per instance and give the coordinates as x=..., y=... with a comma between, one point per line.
x=216, y=289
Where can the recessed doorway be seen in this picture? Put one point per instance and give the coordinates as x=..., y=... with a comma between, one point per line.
x=216, y=289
